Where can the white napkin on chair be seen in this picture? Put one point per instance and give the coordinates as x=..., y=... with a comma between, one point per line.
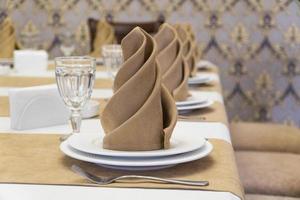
x=30, y=61
x=42, y=106
x=35, y=107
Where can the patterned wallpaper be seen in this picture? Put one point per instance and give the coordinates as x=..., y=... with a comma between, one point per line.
x=256, y=43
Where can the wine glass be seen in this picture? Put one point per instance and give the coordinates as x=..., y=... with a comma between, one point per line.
x=75, y=77
x=113, y=58
x=67, y=44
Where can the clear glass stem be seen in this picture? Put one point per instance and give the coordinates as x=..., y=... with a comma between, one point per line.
x=76, y=121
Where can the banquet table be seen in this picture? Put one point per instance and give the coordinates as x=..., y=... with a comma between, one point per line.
x=214, y=125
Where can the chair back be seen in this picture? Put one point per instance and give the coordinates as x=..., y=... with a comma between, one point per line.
x=123, y=28
x=92, y=25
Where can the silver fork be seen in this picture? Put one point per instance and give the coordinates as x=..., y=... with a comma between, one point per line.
x=107, y=180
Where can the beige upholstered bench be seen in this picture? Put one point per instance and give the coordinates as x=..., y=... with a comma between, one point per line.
x=268, y=158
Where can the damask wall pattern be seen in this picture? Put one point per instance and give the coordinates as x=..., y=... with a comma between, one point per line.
x=256, y=43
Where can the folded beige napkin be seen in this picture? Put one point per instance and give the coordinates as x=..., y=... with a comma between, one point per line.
x=27, y=81
x=6, y=28
x=7, y=39
x=189, y=30
x=190, y=57
x=105, y=35
x=189, y=47
x=175, y=71
x=191, y=34
x=141, y=114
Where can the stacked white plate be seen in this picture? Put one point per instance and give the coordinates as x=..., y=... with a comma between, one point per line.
x=88, y=147
x=201, y=79
x=204, y=64
x=193, y=103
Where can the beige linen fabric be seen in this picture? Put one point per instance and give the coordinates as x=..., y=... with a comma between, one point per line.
x=141, y=114
x=105, y=35
x=21, y=156
x=175, y=71
x=265, y=137
x=4, y=106
x=7, y=39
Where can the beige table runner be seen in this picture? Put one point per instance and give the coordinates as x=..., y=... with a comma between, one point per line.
x=4, y=106
x=36, y=159
x=214, y=113
x=10, y=81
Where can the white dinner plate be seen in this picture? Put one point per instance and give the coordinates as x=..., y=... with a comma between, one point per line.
x=143, y=168
x=189, y=108
x=192, y=100
x=92, y=143
x=137, y=163
x=200, y=79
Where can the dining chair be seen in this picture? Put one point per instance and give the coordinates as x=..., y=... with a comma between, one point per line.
x=92, y=26
x=123, y=28
x=271, y=137
x=268, y=197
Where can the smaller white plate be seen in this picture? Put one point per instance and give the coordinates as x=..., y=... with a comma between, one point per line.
x=92, y=143
x=191, y=100
x=186, y=109
x=200, y=79
x=204, y=64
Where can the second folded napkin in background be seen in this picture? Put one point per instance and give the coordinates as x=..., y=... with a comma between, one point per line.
x=141, y=115
x=175, y=72
x=189, y=47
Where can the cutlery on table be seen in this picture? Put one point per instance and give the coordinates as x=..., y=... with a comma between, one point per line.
x=108, y=180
